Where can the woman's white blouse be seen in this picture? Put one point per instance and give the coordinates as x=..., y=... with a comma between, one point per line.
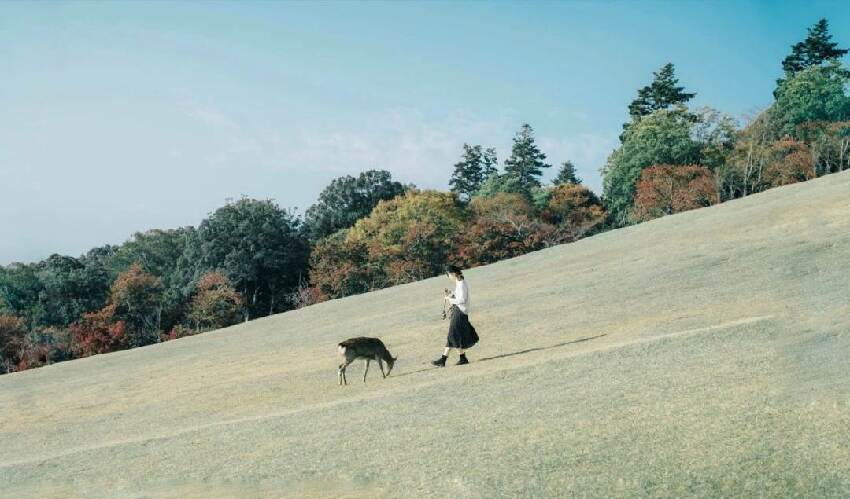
x=461, y=296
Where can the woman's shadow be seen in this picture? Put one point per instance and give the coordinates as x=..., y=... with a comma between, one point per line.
x=511, y=354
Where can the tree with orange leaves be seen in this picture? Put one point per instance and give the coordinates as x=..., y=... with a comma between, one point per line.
x=215, y=304
x=667, y=189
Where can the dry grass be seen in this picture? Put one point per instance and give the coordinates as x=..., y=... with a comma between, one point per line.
x=704, y=354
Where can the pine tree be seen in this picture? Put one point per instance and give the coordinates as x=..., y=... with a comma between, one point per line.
x=469, y=172
x=816, y=49
x=490, y=163
x=567, y=174
x=662, y=93
x=526, y=161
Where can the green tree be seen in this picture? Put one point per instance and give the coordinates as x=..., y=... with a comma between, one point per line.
x=489, y=163
x=159, y=252
x=497, y=184
x=663, y=93
x=260, y=247
x=19, y=290
x=815, y=50
x=69, y=289
x=663, y=137
x=348, y=199
x=815, y=94
x=567, y=174
x=471, y=171
x=526, y=162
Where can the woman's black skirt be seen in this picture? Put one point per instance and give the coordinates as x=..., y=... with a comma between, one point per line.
x=461, y=332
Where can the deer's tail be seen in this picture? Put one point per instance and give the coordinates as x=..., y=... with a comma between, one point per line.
x=341, y=348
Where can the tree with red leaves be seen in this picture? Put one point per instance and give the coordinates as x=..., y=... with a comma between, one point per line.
x=791, y=162
x=667, y=189
x=98, y=332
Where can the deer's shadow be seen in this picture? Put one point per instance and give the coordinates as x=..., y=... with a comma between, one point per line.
x=511, y=354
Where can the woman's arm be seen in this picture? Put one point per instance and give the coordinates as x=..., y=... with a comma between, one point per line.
x=460, y=297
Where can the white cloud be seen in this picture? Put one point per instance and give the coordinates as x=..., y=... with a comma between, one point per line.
x=415, y=146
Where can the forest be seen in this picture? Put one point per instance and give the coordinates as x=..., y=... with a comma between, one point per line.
x=251, y=258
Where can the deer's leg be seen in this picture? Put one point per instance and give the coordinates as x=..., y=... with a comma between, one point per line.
x=381, y=365
x=366, y=371
x=341, y=373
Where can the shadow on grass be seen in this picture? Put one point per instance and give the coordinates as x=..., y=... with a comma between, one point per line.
x=537, y=349
x=511, y=354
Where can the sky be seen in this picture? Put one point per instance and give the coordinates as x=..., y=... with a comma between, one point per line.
x=118, y=117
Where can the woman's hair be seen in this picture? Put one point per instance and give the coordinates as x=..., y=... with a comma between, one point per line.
x=454, y=269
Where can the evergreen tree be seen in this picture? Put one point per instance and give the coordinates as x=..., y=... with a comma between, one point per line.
x=348, y=199
x=490, y=163
x=526, y=161
x=662, y=93
x=567, y=174
x=469, y=172
x=816, y=49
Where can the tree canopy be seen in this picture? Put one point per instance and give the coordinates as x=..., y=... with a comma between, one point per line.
x=663, y=137
x=526, y=162
x=348, y=199
x=663, y=93
x=475, y=166
x=815, y=50
x=567, y=174
x=258, y=246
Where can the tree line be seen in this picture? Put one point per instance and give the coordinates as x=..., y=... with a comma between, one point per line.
x=250, y=258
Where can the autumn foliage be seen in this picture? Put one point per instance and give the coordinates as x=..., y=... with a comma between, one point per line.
x=13, y=332
x=501, y=226
x=98, y=332
x=215, y=304
x=128, y=320
x=667, y=189
x=339, y=266
x=409, y=237
x=791, y=162
x=575, y=210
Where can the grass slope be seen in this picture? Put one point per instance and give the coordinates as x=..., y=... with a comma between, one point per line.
x=706, y=353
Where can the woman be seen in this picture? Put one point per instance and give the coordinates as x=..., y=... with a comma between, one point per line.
x=461, y=333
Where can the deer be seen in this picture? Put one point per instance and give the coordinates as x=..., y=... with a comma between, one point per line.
x=368, y=349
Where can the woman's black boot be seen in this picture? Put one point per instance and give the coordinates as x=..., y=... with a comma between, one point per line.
x=463, y=360
x=441, y=362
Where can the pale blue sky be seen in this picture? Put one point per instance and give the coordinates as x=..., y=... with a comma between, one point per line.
x=121, y=117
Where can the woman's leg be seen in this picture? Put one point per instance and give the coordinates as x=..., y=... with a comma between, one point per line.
x=462, y=360
x=442, y=360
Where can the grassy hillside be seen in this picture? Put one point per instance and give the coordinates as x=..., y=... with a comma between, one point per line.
x=706, y=353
